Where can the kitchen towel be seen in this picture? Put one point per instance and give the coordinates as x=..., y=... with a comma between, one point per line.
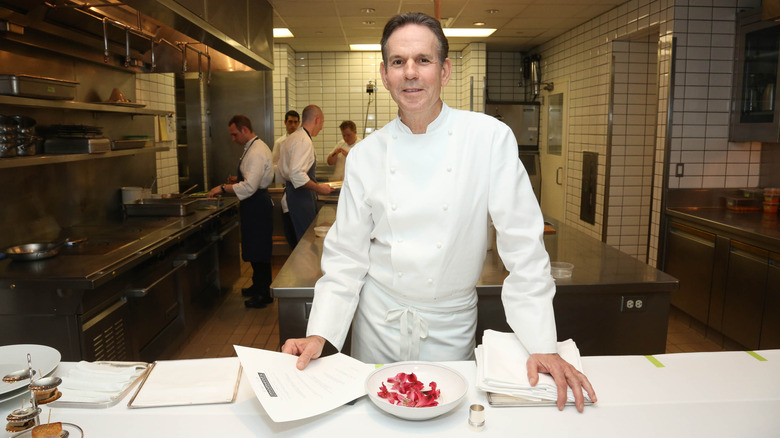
x=501, y=368
x=95, y=382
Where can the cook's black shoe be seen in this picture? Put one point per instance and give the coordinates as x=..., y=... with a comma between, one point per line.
x=255, y=303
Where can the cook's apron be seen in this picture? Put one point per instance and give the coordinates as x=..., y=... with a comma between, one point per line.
x=387, y=329
x=256, y=222
x=302, y=204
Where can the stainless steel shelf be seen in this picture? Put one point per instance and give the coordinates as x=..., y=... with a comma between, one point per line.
x=78, y=106
x=36, y=160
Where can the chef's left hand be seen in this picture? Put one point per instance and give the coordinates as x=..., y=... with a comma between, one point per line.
x=564, y=374
x=216, y=191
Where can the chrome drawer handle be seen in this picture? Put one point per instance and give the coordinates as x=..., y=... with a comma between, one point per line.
x=142, y=292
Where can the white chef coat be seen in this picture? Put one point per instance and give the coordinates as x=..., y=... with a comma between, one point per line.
x=296, y=156
x=410, y=238
x=275, y=155
x=256, y=167
x=338, y=171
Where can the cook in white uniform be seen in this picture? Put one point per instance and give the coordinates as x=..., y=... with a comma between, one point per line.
x=410, y=236
x=338, y=157
x=291, y=121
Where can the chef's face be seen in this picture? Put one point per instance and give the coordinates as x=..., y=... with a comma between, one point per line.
x=349, y=136
x=414, y=76
x=291, y=124
x=240, y=136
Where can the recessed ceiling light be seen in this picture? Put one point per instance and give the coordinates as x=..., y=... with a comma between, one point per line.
x=368, y=10
x=282, y=32
x=369, y=22
x=454, y=32
x=478, y=23
x=365, y=47
x=492, y=11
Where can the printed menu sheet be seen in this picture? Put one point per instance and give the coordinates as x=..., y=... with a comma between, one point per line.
x=288, y=393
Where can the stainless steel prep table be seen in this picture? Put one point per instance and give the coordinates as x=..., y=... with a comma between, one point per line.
x=589, y=307
x=126, y=292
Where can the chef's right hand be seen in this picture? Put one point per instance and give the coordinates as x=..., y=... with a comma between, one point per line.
x=305, y=348
x=325, y=188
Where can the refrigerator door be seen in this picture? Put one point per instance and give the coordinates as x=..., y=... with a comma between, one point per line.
x=523, y=118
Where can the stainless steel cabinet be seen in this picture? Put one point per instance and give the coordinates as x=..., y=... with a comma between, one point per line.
x=743, y=301
x=770, y=327
x=690, y=258
x=754, y=110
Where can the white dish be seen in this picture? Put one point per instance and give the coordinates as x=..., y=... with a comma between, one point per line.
x=452, y=384
x=73, y=431
x=14, y=358
x=14, y=394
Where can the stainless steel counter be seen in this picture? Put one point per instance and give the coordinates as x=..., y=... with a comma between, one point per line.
x=590, y=306
x=110, y=250
x=752, y=226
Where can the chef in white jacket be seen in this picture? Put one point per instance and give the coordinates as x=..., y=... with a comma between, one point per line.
x=409, y=241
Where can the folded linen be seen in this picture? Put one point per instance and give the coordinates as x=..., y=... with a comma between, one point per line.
x=501, y=367
x=95, y=382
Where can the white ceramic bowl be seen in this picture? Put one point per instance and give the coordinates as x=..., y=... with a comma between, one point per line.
x=321, y=230
x=452, y=384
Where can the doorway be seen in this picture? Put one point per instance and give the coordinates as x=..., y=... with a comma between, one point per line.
x=555, y=111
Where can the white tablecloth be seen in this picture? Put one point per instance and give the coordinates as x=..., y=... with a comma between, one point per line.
x=726, y=394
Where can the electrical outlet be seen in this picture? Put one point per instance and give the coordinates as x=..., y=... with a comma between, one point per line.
x=679, y=171
x=633, y=303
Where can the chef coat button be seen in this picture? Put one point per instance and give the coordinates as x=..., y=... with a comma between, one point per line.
x=438, y=244
x=449, y=169
x=392, y=170
x=400, y=274
x=449, y=132
x=400, y=240
x=430, y=281
x=395, y=137
x=445, y=207
x=393, y=207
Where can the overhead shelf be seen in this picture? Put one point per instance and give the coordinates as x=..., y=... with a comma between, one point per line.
x=35, y=160
x=79, y=106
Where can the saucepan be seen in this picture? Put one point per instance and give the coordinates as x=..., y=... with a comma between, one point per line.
x=38, y=251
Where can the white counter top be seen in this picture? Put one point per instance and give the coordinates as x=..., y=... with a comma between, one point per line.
x=725, y=394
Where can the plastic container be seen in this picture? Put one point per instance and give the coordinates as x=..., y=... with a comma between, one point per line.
x=561, y=269
x=321, y=230
x=131, y=195
x=772, y=195
x=770, y=207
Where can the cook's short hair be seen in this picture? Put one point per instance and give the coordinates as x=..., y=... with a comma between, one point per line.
x=241, y=121
x=348, y=124
x=402, y=20
x=310, y=112
x=292, y=113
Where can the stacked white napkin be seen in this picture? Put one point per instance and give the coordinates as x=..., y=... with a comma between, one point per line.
x=501, y=368
x=94, y=382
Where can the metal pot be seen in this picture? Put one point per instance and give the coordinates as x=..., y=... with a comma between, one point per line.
x=38, y=251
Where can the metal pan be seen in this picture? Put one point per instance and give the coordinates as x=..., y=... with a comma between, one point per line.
x=38, y=251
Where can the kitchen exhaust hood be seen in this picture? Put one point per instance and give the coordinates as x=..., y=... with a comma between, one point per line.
x=148, y=35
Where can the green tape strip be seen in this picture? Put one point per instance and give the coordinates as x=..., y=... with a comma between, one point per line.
x=756, y=355
x=654, y=361
x=378, y=365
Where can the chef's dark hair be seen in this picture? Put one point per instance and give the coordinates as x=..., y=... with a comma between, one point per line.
x=348, y=124
x=415, y=18
x=292, y=113
x=241, y=121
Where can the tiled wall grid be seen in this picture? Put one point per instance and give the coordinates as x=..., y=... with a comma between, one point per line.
x=336, y=81
x=704, y=31
x=157, y=91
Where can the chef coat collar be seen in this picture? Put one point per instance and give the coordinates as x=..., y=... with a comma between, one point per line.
x=246, y=147
x=307, y=132
x=435, y=124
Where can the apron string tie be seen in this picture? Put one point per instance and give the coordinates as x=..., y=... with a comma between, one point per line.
x=410, y=342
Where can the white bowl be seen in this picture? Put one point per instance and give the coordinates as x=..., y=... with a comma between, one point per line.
x=321, y=230
x=452, y=384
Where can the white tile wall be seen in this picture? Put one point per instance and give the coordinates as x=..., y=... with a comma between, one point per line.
x=157, y=91
x=505, y=82
x=704, y=33
x=336, y=81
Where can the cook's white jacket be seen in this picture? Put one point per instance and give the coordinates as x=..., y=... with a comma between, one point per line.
x=413, y=216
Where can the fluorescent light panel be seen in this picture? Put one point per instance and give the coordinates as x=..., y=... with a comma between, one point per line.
x=282, y=32
x=365, y=47
x=480, y=33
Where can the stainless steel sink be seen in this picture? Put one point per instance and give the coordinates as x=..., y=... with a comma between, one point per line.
x=162, y=207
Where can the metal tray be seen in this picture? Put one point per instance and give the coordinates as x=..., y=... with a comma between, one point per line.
x=115, y=399
x=127, y=144
x=162, y=207
x=37, y=87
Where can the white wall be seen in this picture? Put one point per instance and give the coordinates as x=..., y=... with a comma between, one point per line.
x=336, y=81
x=157, y=91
